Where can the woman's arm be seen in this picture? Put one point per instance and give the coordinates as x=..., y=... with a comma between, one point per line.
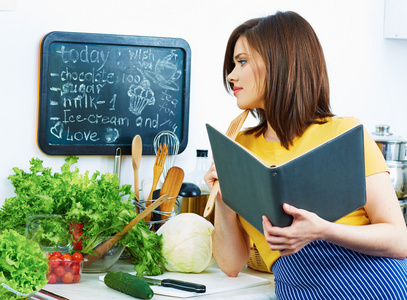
x=385, y=236
x=231, y=244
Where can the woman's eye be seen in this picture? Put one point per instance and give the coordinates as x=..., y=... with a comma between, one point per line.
x=242, y=62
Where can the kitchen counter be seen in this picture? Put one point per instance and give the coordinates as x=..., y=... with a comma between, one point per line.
x=90, y=287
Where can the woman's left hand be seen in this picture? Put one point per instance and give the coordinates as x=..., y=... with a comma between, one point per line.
x=305, y=228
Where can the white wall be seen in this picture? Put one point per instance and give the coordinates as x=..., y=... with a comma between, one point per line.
x=368, y=73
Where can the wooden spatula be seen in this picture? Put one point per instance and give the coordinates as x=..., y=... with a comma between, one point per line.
x=171, y=187
x=107, y=245
x=232, y=132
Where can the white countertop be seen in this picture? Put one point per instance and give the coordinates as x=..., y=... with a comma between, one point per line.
x=90, y=287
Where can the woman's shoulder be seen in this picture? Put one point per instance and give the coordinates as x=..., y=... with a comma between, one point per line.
x=333, y=126
x=319, y=133
x=344, y=123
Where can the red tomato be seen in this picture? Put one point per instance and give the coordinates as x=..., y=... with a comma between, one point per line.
x=66, y=260
x=52, y=278
x=76, y=278
x=54, y=261
x=75, y=269
x=57, y=254
x=67, y=278
x=75, y=227
x=77, y=245
x=59, y=271
x=77, y=257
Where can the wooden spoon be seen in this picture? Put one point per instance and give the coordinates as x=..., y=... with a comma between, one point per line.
x=107, y=245
x=136, y=153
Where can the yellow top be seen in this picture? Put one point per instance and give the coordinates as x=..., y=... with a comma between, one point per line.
x=315, y=135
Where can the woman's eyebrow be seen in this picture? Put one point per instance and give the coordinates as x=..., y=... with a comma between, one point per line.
x=239, y=55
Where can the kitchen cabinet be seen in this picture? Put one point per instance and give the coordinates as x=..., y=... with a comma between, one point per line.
x=395, y=19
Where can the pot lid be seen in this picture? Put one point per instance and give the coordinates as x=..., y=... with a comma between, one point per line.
x=383, y=134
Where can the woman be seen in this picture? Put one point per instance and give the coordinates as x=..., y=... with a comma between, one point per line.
x=276, y=68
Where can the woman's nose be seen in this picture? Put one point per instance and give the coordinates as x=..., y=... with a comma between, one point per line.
x=231, y=77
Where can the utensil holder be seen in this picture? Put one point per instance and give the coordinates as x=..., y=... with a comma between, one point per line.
x=157, y=215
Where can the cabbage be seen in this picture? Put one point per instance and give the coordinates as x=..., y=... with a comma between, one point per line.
x=187, y=243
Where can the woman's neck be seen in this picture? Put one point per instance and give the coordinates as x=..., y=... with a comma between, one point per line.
x=270, y=135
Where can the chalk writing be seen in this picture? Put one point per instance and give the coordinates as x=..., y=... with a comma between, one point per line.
x=83, y=55
x=106, y=93
x=113, y=102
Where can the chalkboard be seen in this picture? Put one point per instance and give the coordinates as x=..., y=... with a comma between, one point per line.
x=97, y=91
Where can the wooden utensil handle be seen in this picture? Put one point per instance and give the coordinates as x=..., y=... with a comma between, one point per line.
x=144, y=213
x=171, y=186
x=211, y=199
x=153, y=188
x=150, y=197
x=168, y=207
x=106, y=246
x=136, y=184
x=103, y=248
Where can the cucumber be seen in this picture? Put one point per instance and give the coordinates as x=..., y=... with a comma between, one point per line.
x=129, y=284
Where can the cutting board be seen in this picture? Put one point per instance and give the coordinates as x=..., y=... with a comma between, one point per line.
x=213, y=278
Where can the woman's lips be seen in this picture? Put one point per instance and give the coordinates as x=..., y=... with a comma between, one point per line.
x=236, y=90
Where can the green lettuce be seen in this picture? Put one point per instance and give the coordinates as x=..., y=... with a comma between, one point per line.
x=96, y=200
x=23, y=266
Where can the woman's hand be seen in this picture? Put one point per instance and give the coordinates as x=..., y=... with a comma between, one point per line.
x=210, y=177
x=231, y=244
x=305, y=228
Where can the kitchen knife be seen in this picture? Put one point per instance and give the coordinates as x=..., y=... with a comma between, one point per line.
x=177, y=284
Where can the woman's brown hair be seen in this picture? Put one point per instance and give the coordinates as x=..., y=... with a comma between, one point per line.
x=296, y=87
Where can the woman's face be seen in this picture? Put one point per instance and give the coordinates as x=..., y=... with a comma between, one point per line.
x=248, y=76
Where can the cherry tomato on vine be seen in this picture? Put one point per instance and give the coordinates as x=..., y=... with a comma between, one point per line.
x=75, y=227
x=77, y=244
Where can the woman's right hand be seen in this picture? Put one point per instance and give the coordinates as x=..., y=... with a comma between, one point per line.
x=228, y=234
x=210, y=177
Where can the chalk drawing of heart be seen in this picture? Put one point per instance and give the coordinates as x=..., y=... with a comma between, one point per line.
x=57, y=129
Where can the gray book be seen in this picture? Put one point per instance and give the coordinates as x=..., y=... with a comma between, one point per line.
x=328, y=180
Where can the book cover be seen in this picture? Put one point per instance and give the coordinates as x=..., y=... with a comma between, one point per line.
x=328, y=180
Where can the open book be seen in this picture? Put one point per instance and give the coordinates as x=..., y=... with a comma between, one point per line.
x=328, y=180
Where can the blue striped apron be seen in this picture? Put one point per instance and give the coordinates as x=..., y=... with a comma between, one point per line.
x=322, y=270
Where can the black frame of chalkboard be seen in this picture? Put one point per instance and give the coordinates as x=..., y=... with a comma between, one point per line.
x=115, y=40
